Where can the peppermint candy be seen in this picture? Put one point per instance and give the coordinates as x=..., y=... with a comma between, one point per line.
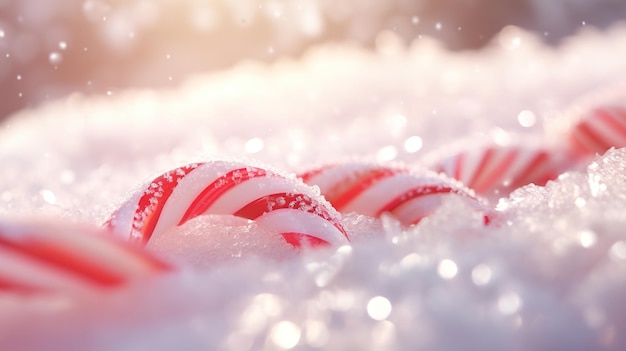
x=55, y=257
x=373, y=189
x=499, y=169
x=594, y=123
x=280, y=203
x=599, y=129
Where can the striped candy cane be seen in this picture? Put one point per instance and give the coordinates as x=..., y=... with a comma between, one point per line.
x=599, y=129
x=497, y=170
x=373, y=189
x=280, y=203
x=58, y=257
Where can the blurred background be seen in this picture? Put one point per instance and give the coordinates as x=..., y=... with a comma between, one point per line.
x=51, y=48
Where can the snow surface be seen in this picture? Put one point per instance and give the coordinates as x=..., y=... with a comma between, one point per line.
x=549, y=274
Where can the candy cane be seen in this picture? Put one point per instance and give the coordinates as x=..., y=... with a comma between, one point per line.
x=599, y=129
x=496, y=169
x=278, y=202
x=51, y=256
x=373, y=189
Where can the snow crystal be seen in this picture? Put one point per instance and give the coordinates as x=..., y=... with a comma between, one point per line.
x=210, y=240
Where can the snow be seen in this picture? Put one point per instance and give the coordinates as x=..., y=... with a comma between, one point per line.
x=547, y=274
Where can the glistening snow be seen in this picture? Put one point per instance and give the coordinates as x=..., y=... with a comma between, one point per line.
x=550, y=276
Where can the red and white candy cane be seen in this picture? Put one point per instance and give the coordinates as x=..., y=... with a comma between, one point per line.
x=498, y=169
x=596, y=122
x=373, y=189
x=286, y=205
x=59, y=257
x=598, y=129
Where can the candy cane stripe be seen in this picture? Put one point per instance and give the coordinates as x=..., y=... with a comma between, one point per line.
x=501, y=163
x=612, y=127
x=162, y=187
x=288, y=221
x=357, y=185
x=414, y=193
x=372, y=190
x=21, y=272
x=459, y=166
x=218, y=188
x=307, y=176
x=64, y=259
x=298, y=239
x=485, y=163
x=613, y=118
x=148, y=210
x=531, y=172
x=590, y=137
x=6, y=284
x=280, y=201
x=503, y=168
x=36, y=257
x=416, y=209
x=600, y=126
